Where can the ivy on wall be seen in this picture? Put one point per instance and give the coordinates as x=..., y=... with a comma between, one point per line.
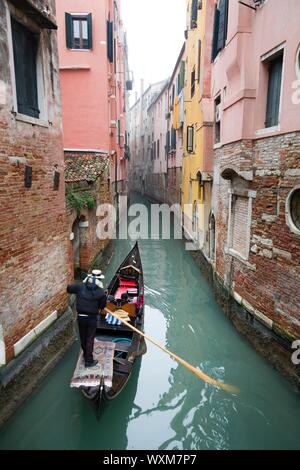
x=78, y=200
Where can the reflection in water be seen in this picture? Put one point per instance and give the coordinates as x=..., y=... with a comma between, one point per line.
x=165, y=406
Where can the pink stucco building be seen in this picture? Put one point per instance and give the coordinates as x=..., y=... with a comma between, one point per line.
x=94, y=75
x=256, y=191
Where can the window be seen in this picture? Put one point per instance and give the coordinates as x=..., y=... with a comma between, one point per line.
x=173, y=139
x=199, y=60
x=25, y=50
x=180, y=78
x=154, y=150
x=118, y=132
x=218, y=120
x=293, y=210
x=239, y=226
x=220, y=27
x=239, y=223
x=190, y=139
x=274, y=91
x=79, y=31
x=193, y=79
x=110, y=40
x=158, y=149
x=167, y=142
x=194, y=14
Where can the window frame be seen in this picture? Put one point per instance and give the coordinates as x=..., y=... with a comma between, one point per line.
x=190, y=135
x=271, y=62
x=288, y=216
x=233, y=195
x=69, y=25
x=80, y=19
x=18, y=16
x=194, y=14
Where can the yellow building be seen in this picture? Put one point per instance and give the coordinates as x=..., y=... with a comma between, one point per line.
x=198, y=130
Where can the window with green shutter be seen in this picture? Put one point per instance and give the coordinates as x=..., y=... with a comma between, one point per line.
x=274, y=91
x=194, y=14
x=173, y=139
x=223, y=24
x=220, y=27
x=168, y=142
x=78, y=31
x=25, y=49
x=199, y=59
x=110, y=41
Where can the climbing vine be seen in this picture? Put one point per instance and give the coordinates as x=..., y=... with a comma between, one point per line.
x=80, y=200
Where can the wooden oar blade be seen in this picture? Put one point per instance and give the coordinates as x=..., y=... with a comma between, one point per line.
x=206, y=378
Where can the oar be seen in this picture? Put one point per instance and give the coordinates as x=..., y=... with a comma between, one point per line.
x=199, y=373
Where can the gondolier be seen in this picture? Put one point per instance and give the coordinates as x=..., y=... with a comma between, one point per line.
x=90, y=298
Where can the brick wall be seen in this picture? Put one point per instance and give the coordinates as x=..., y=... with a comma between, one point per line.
x=90, y=244
x=34, y=267
x=269, y=280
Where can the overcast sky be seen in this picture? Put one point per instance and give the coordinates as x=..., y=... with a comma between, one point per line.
x=155, y=34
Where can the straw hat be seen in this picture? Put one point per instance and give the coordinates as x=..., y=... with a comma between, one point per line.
x=123, y=315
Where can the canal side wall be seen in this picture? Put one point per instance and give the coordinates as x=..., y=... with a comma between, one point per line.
x=275, y=347
x=24, y=373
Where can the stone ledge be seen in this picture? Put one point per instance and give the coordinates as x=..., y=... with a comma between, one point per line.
x=23, y=374
x=263, y=334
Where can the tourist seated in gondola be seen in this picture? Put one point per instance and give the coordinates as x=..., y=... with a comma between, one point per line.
x=90, y=299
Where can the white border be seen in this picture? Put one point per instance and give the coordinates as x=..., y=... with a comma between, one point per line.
x=288, y=217
x=264, y=58
x=41, y=82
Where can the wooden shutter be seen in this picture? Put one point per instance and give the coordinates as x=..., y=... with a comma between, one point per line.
x=199, y=60
x=215, y=35
x=274, y=92
x=173, y=139
x=25, y=46
x=90, y=31
x=223, y=22
x=194, y=14
x=110, y=42
x=69, y=35
x=168, y=142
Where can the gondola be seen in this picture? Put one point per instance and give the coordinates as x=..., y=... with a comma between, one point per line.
x=116, y=346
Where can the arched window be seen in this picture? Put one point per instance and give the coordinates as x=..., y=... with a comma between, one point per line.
x=293, y=210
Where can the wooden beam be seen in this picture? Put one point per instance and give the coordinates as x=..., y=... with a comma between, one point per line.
x=41, y=17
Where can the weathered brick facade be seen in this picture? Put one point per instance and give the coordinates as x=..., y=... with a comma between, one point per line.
x=34, y=268
x=164, y=187
x=267, y=282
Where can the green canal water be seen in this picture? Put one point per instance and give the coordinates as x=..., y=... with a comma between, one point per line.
x=164, y=406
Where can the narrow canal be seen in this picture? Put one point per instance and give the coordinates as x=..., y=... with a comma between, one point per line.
x=164, y=405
